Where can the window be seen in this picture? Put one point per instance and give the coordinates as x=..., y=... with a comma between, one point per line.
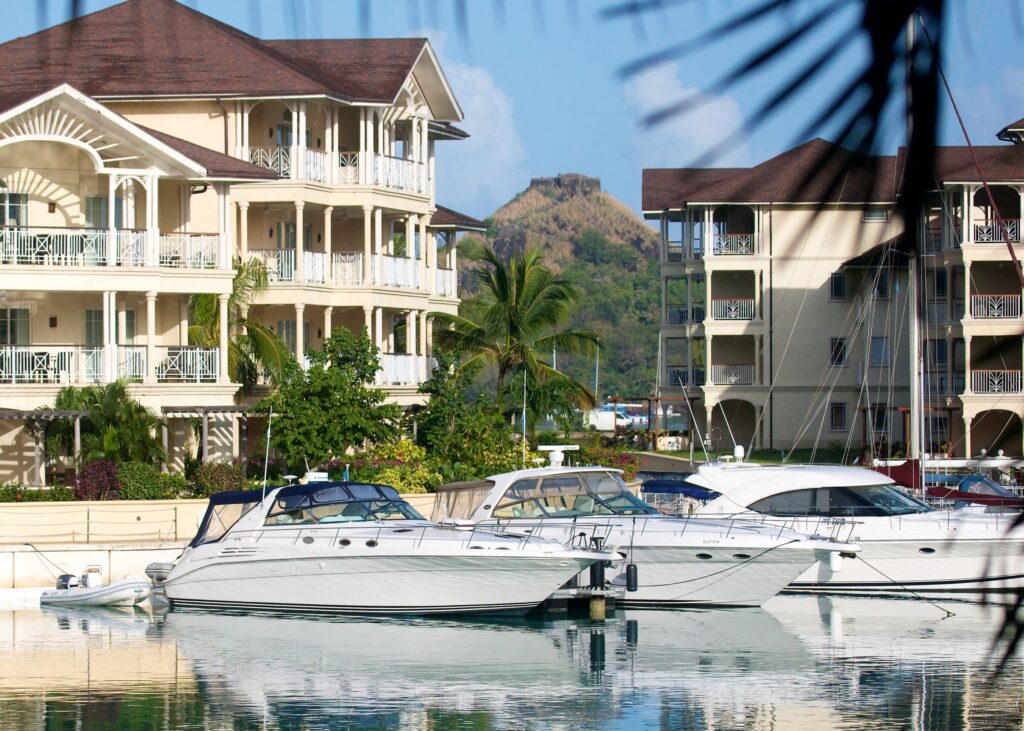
x=286, y=331
x=14, y=326
x=937, y=284
x=15, y=208
x=837, y=352
x=879, y=350
x=96, y=207
x=937, y=353
x=93, y=328
x=882, y=285
x=837, y=291
x=859, y=500
x=876, y=214
x=880, y=418
x=128, y=336
x=837, y=416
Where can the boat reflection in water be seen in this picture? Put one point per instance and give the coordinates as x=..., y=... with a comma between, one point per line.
x=801, y=662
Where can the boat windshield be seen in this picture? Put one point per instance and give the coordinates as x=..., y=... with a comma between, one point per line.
x=841, y=502
x=570, y=495
x=338, y=503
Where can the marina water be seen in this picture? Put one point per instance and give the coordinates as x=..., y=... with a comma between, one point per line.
x=800, y=662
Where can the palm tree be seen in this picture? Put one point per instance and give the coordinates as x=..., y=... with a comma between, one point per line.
x=116, y=427
x=253, y=348
x=514, y=319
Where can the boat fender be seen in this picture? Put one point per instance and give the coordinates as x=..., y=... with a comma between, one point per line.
x=597, y=575
x=632, y=582
x=835, y=562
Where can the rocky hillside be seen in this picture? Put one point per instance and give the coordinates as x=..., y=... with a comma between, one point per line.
x=608, y=252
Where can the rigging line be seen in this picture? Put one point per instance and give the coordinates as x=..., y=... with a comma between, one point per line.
x=974, y=155
x=907, y=589
x=731, y=567
x=43, y=556
x=693, y=422
x=718, y=403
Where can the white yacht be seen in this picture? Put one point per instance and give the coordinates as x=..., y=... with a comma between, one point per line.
x=359, y=548
x=675, y=561
x=907, y=547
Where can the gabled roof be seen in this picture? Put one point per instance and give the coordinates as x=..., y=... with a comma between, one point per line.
x=447, y=218
x=217, y=164
x=1000, y=163
x=665, y=188
x=1013, y=132
x=147, y=48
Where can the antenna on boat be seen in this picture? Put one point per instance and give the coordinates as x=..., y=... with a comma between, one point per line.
x=266, y=458
x=524, y=418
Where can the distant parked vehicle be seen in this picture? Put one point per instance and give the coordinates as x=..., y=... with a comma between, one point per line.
x=610, y=417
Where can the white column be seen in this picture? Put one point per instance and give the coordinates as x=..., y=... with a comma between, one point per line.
x=430, y=172
x=300, y=347
x=183, y=320
x=224, y=376
x=424, y=347
x=243, y=230
x=452, y=252
x=367, y=242
x=301, y=134
x=410, y=333
x=413, y=153
x=293, y=151
x=378, y=240
x=368, y=322
x=223, y=258
x=967, y=436
x=431, y=261
x=111, y=220
x=332, y=159
x=410, y=246
x=968, y=310
x=150, y=337
x=968, y=368
x=300, y=244
x=328, y=254
x=378, y=315
x=107, y=344
x=245, y=130
x=425, y=278
x=328, y=326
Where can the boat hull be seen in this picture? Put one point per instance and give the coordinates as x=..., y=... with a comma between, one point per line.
x=125, y=592
x=380, y=584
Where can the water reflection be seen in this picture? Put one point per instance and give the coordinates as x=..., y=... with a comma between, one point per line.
x=803, y=662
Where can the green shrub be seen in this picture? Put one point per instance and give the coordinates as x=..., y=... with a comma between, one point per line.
x=614, y=457
x=12, y=492
x=97, y=481
x=401, y=464
x=213, y=477
x=141, y=481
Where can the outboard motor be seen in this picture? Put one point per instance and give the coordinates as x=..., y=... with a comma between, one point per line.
x=67, y=581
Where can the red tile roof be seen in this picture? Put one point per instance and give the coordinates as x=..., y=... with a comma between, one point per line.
x=162, y=47
x=217, y=164
x=447, y=218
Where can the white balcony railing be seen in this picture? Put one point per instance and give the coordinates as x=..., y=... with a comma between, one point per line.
x=131, y=248
x=316, y=166
x=734, y=245
x=735, y=374
x=399, y=174
x=348, y=168
x=732, y=309
x=446, y=282
x=278, y=159
x=189, y=251
x=990, y=232
x=398, y=369
x=995, y=306
x=314, y=265
x=395, y=271
x=50, y=364
x=131, y=362
x=187, y=364
x=679, y=377
x=347, y=267
x=995, y=381
x=53, y=246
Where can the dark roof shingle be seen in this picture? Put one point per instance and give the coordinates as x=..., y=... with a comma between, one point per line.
x=447, y=218
x=217, y=164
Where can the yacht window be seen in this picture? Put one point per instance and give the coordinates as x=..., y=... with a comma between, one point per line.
x=292, y=502
x=342, y=504
x=848, y=501
x=364, y=492
x=565, y=496
x=518, y=501
x=332, y=495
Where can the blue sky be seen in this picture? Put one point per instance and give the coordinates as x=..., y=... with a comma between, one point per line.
x=539, y=82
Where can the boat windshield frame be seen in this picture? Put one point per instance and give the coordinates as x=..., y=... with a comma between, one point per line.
x=840, y=501
x=338, y=503
x=531, y=497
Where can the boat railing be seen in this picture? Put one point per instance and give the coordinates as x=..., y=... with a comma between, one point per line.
x=838, y=529
x=581, y=533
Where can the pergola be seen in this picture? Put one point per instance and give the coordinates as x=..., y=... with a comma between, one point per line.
x=46, y=415
x=204, y=412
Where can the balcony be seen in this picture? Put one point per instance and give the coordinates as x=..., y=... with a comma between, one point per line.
x=398, y=369
x=280, y=264
x=995, y=306
x=75, y=364
x=347, y=267
x=679, y=376
x=446, y=285
x=732, y=309
x=350, y=168
x=995, y=381
x=990, y=232
x=734, y=374
x=734, y=245
x=678, y=315
x=395, y=271
x=84, y=247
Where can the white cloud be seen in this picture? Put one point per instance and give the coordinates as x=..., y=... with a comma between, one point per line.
x=481, y=173
x=687, y=136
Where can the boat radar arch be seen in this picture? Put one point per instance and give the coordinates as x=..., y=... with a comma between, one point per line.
x=556, y=452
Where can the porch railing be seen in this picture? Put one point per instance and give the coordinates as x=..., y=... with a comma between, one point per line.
x=678, y=376
x=397, y=369
x=131, y=362
x=446, y=282
x=395, y=271
x=958, y=309
x=348, y=168
x=399, y=174
x=131, y=248
x=347, y=267
x=678, y=315
x=316, y=166
x=50, y=364
x=53, y=246
x=280, y=263
x=734, y=245
x=732, y=309
x=189, y=250
x=733, y=374
x=995, y=306
x=187, y=364
x=935, y=311
x=278, y=159
x=990, y=232
x=314, y=266
x=995, y=381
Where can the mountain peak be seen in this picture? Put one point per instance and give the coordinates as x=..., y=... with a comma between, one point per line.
x=567, y=185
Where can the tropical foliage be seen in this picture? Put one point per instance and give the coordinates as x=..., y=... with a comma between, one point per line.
x=254, y=350
x=401, y=464
x=320, y=413
x=513, y=323
x=116, y=427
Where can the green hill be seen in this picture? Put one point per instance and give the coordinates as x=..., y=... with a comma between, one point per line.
x=608, y=253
